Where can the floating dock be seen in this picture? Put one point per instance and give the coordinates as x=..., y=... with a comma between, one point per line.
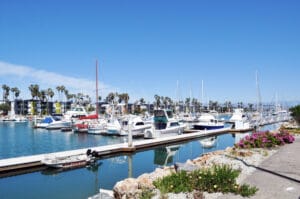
x=25, y=164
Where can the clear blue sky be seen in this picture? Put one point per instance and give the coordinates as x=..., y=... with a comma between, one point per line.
x=144, y=47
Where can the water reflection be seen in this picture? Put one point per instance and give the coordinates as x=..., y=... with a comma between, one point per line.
x=164, y=155
x=93, y=167
x=208, y=142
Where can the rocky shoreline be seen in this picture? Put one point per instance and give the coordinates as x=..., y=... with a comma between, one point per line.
x=244, y=160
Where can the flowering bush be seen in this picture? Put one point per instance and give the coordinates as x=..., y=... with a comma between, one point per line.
x=265, y=140
x=218, y=178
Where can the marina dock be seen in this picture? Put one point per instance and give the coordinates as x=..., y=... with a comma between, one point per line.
x=25, y=164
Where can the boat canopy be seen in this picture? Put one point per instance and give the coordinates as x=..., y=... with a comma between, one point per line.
x=47, y=120
x=95, y=116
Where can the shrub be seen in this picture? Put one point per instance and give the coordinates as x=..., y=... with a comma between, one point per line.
x=296, y=113
x=175, y=183
x=219, y=178
x=265, y=140
x=146, y=194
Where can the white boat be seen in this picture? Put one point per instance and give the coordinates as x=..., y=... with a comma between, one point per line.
x=44, y=122
x=239, y=119
x=75, y=113
x=97, y=127
x=164, y=125
x=114, y=127
x=208, y=122
x=53, y=122
x=67, y=162
x=14, y=118
x=135, y=124
x=58, y=123
x=129, y=122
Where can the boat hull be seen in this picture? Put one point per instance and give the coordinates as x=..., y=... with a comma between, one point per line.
x=208, y=127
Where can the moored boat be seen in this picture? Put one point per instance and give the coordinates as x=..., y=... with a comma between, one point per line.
x=164, y=125
x=67, y=162
x=208, y=122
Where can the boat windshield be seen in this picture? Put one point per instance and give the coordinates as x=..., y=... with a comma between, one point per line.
x=170, y=114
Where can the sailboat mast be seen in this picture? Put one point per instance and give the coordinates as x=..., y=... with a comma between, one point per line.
x=202, y=95
x=259, y=103
x=97, y=97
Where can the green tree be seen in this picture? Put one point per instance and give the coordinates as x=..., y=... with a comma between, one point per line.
x=15, y=91
x=110, y=97
x=188, y=104
x=50, y=93
x=34, y=90
x=296, y=113
x=5, y=107
x=6, y=90
x=157, y=101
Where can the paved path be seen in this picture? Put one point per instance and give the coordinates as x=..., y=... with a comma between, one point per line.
x=278, y=176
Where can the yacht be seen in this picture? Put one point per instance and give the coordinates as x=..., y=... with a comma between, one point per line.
x=76, y=112
x=208, y=122
x=239, y=119
x=123, y=125
x=97, y=126
x=53, y=122
x=164, y=124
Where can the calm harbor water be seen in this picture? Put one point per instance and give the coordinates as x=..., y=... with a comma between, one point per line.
x=21, y=139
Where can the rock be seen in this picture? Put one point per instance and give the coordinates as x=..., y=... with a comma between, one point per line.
x=144, y=182
x=126, y=189
x=185, y=167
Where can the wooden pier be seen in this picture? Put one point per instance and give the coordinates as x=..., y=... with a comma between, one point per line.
x=25, y=164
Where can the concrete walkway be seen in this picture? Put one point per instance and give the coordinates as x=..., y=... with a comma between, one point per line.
x=278, y=176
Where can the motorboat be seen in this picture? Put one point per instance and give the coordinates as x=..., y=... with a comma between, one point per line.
x=164, y=124
x=76, y=112
x=67, y=162
x=52, y=122
x=135, y=124
x=97, y=126
x=114, y=127
x=239, y=119
x=82, y=125
x=208, y=122
x=44, y=122
x=58, y=123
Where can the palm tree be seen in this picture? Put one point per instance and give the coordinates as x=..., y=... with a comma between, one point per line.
x=240, y=105
x=110, y=97
x=250, y=105
x=60, y=90
x=157, y=101
x=50, y=93
x=142, y=101
x=187, y=104
x=6, y=90
x=66, y=92
x=34, y=90
x=42, y=95
x=15, y=91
